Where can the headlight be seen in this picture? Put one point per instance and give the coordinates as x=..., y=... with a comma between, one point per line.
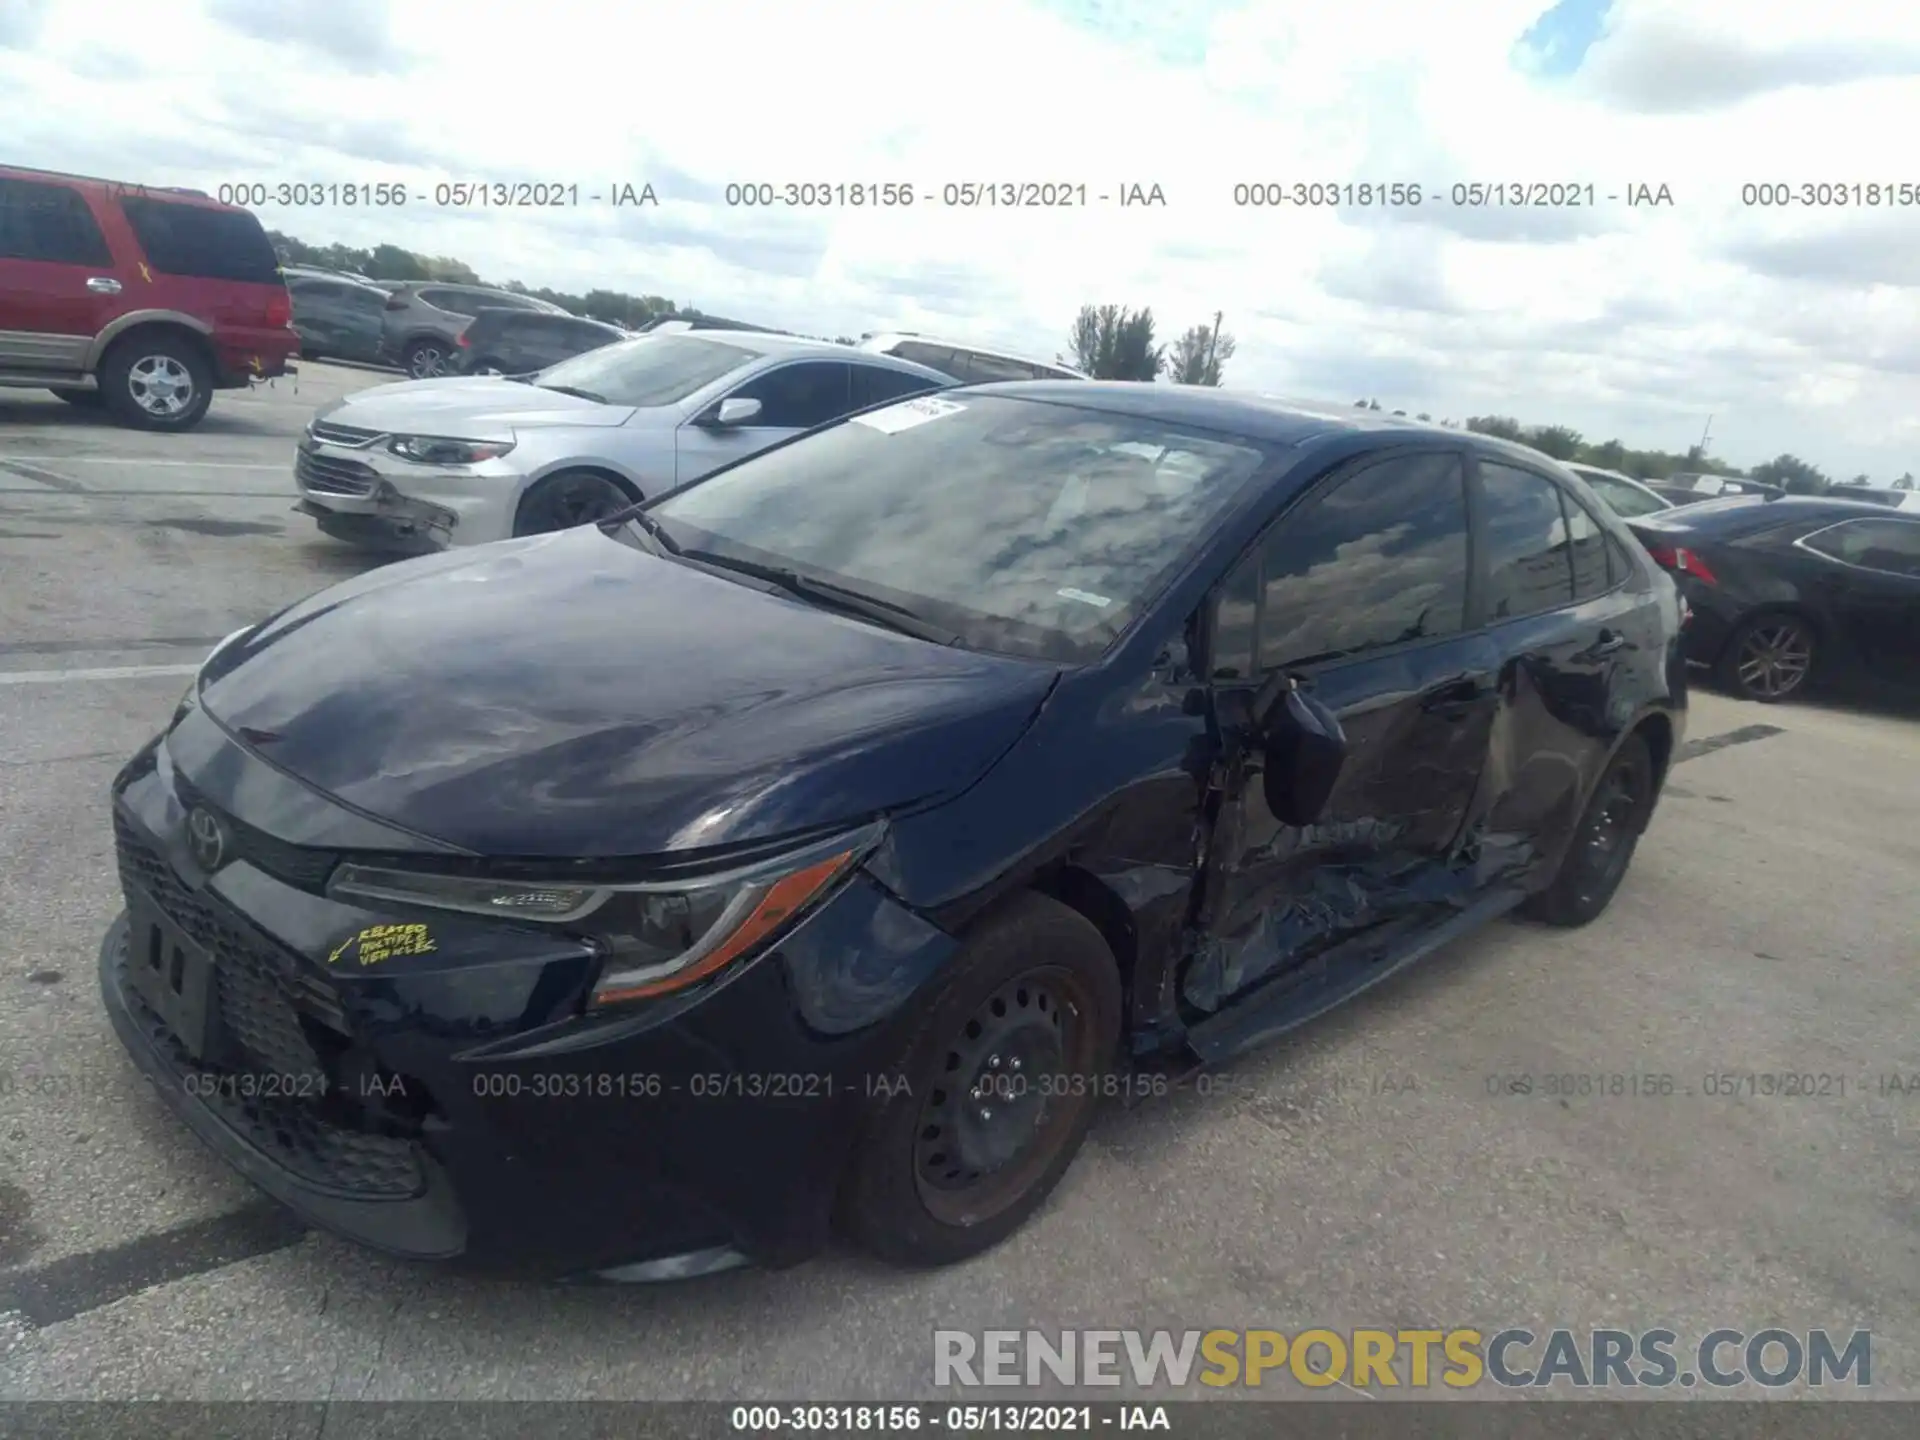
x=654, y=937
x=432, y=450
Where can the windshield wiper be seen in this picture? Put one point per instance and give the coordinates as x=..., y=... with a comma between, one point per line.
x=838, y=597
x=576, y=392
x=636, y=514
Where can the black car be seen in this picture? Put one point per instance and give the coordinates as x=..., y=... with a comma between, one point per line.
x=518, y=342
x=1689, y=492
x=945, y=770
x=1795, y=590
x=337, y=318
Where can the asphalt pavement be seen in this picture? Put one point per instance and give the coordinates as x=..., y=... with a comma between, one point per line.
x=1383, y=1168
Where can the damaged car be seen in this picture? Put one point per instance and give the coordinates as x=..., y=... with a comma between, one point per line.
x=819, y=845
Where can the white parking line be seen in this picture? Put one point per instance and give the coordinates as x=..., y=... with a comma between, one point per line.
x=118, y=672
x=156, y=464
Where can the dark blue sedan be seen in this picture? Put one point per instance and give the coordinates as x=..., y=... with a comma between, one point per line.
x=822, y=842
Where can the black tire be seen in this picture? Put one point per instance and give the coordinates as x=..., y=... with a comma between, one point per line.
x=156, y=382
x=930, y=1184
x=1603, y=842
x=573, y=497
x=82, y=399
x=1769, y=657
x=424, y=359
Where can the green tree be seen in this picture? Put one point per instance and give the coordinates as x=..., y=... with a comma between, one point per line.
x=1555, y=440
x=1199, y=356
x=1502, y=427
x=1609, y=455
x=1905, y=482
x=1111, y=342
x=1792, y=474
x=1423, y=415
x=1855, y=482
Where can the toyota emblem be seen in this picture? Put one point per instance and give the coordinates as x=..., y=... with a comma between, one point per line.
x=206, y=839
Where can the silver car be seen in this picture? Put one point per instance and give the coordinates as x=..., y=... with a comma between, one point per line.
x=428, y=464
x=1622, y=494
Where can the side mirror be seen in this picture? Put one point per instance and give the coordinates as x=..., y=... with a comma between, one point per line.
x=1306, y=749
x=735, y=412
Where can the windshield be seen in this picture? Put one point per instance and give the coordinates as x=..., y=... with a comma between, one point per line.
x=1024, y=527
x=651, y=370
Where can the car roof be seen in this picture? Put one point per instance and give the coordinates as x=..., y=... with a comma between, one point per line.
x=888, y=338
x=128, y=189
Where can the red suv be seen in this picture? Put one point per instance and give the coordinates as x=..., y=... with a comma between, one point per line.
x=144, y=299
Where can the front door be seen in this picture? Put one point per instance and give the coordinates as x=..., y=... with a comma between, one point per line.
x=58, y=288
x=1361, y=591
x=1869, y=570
x=792, y=398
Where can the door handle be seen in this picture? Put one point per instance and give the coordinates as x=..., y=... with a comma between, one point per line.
x=1611, y=642
x=1456, y=702
x=103, y=285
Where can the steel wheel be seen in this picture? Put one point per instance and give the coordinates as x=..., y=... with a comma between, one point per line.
x=1772, y=657
x=561, y=502
x=160, y=386
x=1012, y=1089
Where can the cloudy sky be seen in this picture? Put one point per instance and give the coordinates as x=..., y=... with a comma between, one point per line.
x=1795, y=329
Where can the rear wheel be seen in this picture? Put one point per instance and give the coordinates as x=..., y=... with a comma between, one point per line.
x=1768, y=658
x=1002, y=1077
x=1596, y=861
x=425, y=359
x=156, y=382
x=573, y=497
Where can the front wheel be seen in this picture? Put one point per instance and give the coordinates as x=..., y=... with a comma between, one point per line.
x=993, y=1093
x=574, y=497
x=1768, y=658
x=1602, y=847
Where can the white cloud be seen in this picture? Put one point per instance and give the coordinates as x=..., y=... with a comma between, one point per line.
x=1793, y=327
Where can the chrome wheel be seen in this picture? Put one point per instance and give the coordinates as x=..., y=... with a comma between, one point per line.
x=1773, y=658
x=160, y=386
x=425, y=362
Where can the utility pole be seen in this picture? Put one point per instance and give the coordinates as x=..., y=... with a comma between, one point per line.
x=1703, y=438
x=1213, y=344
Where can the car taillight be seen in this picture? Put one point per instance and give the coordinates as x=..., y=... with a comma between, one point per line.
x=279, y=308
x=1682, y=561
x=461, y=340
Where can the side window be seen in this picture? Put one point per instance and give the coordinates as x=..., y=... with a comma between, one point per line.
x=1619, y=566
x=1587, y=548
x=1624, y=500
x=983, y=368
x=49, y=223
x=872, y=384
x=1889, y=545
x=453, y=302
x=800, y=396
x=1378, y=560
x=1527, y=567
x=938, y=357
x=1232, y=650
x=201, y=241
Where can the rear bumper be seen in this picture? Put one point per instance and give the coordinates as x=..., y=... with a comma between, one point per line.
x=242, y=356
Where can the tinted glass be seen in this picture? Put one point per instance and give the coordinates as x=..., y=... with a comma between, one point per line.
x=1527, y=566
x=938, y=357
x=1619, y=567
x=873, y=384
x=981, y=368
x=649, y=370
x=1621, y=498
x=800, y=396
x=1889, y=545
x=1378, y=560
x=49, y=223
x=204, y=243
x=1586, y=548
x=1048, y=530
x=1234, y=616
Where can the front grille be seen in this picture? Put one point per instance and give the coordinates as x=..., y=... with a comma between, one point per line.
x=296, y=1134
x=295, y=864
x=262, y=993
x=342, y=434
x=327, y=475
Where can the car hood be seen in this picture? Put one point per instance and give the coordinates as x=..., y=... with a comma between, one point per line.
x=571, y=695
x=467, y=406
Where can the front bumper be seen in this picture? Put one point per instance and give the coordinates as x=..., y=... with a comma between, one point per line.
x=361, y=490
x=457, y=1106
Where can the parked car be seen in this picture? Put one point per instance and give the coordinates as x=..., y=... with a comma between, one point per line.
x=1793, y=591
x=1692, y=489
x=968, y=364
x=337, y=318
x=823, y=840
x=1878, y=495
x=518, y=342
x=1622, y=494
x=423, y=321
x=143, y=299
x=461, y=461
x=681, y=324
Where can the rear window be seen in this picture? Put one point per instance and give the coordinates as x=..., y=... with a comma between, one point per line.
x=198, y=241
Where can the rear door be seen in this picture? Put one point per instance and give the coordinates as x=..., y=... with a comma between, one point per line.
x=1361, y=591
x=58, y=283
x=1870, y=571
x=1560, y=606
x=793, y=397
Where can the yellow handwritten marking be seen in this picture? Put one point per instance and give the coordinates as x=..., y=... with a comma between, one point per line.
x=386, y=942
x=145, y=273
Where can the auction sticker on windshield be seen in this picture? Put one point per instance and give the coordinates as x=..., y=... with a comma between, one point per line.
x=909, y=413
